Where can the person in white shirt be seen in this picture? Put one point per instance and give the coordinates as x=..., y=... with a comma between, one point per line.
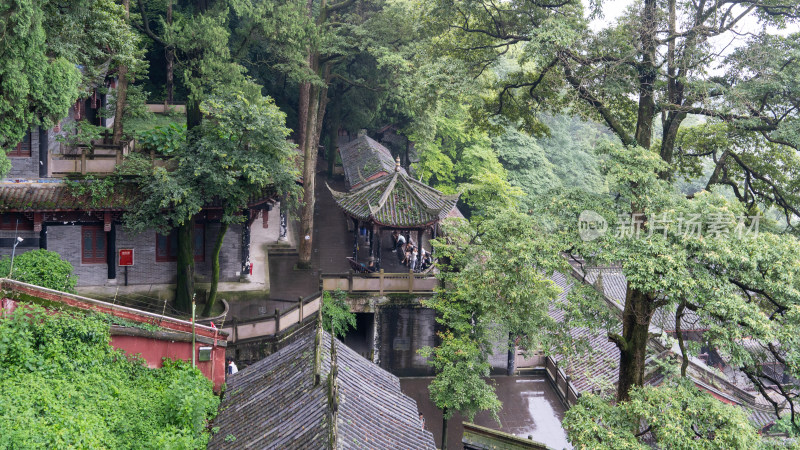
x=400, y=243
x=232, y=369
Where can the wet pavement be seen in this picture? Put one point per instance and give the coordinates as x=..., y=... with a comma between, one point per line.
x=530, y=408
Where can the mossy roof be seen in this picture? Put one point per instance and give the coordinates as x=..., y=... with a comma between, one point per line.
x=363, y=159
x=397, y=201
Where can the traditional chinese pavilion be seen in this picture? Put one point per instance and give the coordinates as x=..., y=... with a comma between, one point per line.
x=389, y=201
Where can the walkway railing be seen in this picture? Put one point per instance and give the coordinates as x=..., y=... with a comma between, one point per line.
x=564, y=388
x=100, y=157
x=272, y=325
x=379, y=282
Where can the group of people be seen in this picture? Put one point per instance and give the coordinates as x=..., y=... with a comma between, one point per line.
x=409, y=253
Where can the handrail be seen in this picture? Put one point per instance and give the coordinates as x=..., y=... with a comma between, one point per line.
x=265, y=326
x=562, y=382
x=380, y=282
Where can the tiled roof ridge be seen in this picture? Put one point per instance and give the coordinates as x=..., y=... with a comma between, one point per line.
x=385, y=195
x=59, y=197
x=333, y=393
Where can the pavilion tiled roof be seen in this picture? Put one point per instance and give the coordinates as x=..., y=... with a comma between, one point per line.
x=396, y=201
x=364, y=159
x=274, y=403
x=594, y=371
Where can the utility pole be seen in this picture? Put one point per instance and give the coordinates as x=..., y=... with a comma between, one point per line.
x=13, y=251
x=193, y=335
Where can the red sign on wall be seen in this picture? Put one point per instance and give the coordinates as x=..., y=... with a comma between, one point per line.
x=126, y=257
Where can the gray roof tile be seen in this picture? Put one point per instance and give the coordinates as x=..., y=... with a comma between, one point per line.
x=274, y=404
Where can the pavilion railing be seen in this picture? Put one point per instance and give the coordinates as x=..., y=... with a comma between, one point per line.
x=379, y=282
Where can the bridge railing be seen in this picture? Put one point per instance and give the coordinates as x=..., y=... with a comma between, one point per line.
x=379, y=282
x=307, y=308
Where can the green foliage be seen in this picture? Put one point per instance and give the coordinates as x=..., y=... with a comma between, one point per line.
x=42, y=268
x=96, y=188
x=677, y=414
x=459, y=157
x=166, y=140
x=336, y=316
x=494, y=274
x=65, y=386
x=495, y=288
x=461, y=370
x=44, y=44
x=81, y=133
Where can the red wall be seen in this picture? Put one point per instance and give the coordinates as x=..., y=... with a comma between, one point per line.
x=155, y=350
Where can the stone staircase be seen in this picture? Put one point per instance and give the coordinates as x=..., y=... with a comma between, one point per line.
x=281, y=249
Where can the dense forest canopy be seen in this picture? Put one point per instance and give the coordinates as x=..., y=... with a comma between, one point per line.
x=537, y=115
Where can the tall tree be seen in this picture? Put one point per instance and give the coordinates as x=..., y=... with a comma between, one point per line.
x=346, y=37
x=239, y=151
x=43, y=45
x=654, y=63
x=201, y=40
x=495, y=291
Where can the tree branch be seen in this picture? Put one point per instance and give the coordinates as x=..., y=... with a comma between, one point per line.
x=146, y=28
x=604, y=112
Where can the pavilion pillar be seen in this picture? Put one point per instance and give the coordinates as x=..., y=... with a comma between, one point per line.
x=371, y=241
x=433, y=234
x=420, y=233
x=378, y=250
x=355, y=239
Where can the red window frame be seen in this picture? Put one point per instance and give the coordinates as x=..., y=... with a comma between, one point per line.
x=23, y=149
x=167, y=245
x=91, y=252
x=8, y=221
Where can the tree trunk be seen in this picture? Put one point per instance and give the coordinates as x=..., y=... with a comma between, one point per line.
x=212, y=293
x=302, y=114
x=512, y=355
x=309, y=172
x=679, y=335
x=185, y=284
x=122, y=89
x=193, y=114
x=647, y=76
x=633, y=342
x=170, y=56
x=444, y=430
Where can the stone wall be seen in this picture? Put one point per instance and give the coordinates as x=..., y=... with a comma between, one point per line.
x=66, y=240
x=147, y=270
x=403, y=330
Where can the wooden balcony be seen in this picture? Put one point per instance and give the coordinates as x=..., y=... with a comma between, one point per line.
x=100, y=157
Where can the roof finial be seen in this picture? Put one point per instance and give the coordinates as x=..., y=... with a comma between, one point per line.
x=397, y=164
